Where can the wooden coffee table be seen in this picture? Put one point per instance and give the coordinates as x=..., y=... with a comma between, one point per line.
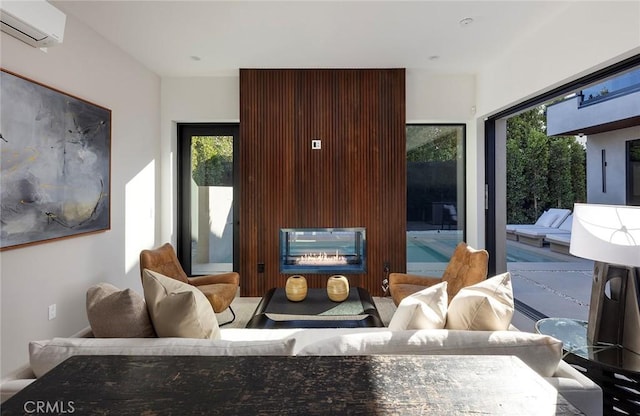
x=316, y=311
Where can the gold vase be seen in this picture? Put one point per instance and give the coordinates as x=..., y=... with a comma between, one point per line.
x=296, y=288
x=338, y=288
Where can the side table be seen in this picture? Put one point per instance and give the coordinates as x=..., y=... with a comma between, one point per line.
x=614, y=368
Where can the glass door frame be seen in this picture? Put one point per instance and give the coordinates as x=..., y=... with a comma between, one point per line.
x=183, y=181
x=631, y=199
x=493, y=126
x=461, y=165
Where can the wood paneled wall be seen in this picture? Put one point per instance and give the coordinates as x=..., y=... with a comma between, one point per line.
x=357, y=179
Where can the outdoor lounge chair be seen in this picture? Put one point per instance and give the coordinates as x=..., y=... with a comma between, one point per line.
x=559, y=243
x=535, y=236
x=551, y=218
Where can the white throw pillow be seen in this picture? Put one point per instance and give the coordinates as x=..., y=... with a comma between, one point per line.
x=485, y=306
x=426, y=309
x=178, y=309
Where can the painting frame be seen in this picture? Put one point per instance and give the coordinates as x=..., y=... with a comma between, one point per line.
x=55, y=164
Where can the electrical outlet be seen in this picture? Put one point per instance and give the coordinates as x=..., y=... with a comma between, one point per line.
x=260, y=267
x=52, y=311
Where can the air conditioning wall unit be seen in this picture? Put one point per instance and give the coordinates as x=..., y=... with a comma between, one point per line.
x=36, y=23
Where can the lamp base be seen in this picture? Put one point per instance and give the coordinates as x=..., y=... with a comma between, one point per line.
x=614, y=312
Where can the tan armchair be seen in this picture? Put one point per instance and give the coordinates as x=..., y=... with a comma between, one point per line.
x=220, y=289
x=466, y=267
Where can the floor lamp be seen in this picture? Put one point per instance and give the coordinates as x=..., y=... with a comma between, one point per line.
x=610, y=235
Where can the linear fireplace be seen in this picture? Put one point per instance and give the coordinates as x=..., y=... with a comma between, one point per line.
x=323, y=250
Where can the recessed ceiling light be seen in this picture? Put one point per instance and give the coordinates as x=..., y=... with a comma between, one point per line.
x=466, y=21
x=195, y=58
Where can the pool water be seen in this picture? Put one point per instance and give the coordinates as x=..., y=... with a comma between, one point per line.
x=439, y=250
x=420, y=252
x=517, y=254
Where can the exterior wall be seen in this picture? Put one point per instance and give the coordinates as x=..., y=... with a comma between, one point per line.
x=60, y=272
x=614, y=143
x=566, y=117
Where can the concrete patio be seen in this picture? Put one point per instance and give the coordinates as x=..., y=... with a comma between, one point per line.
x=561, y=289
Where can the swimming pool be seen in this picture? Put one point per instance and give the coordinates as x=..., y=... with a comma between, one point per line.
x=420, y=252
x=438, y=249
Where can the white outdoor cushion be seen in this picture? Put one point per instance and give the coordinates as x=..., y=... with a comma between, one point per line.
x=547, y=219
x=562, y=214
x=178, y=309
x=485, y=306
x=566, y=224
x=426, y=309
x=44, y=355
x=541, y=218
x=540, y=352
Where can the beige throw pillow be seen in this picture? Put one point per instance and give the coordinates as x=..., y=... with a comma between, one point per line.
x=426, y=309
x=485, y=306
x=115, y=313
x=178, y=309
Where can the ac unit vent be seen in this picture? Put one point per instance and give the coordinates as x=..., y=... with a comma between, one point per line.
x=36, y=23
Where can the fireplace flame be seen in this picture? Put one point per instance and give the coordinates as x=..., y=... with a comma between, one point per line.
x=321, y=258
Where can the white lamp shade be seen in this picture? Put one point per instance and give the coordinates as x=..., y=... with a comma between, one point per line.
x=606, y=233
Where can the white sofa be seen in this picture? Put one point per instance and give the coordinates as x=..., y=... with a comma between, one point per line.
x=542, y=353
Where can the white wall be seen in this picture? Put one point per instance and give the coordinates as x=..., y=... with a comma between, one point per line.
x=614, y=142
x=190, y=100
x=60, y=272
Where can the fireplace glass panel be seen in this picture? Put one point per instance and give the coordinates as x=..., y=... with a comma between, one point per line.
x=322, y=250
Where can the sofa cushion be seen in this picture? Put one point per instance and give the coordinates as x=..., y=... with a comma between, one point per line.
x=115, y=313
x=44, y=355
x=485, y=306
x=178, y=309
x=426, y=309
x=540, y=352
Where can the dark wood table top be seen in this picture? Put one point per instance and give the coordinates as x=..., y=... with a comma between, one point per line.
x=316, y=311
x=293, y=385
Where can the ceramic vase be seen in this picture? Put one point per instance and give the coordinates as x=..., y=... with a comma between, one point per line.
x=296, y=288
x=338, y=288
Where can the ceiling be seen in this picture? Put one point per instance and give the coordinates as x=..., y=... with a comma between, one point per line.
x=203, y=38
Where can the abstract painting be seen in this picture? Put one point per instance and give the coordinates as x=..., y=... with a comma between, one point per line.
x=55, y=161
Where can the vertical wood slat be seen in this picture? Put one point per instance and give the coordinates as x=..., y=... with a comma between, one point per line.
x=357, y=179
